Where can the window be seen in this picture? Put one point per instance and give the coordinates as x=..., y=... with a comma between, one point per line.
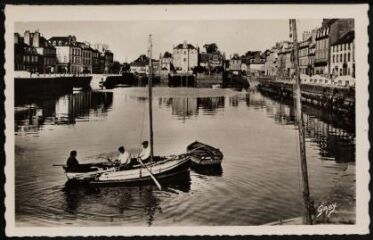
x=344, y=57
x=348, y=71
x=333, y=58
x=340, y=72
x=349, y=57
x=349, y=46
x=340, y=58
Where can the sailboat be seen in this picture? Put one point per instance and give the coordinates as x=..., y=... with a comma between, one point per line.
x=156, y=168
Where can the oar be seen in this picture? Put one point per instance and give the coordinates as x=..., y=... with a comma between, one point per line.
x=151, y=175
x=58, y=165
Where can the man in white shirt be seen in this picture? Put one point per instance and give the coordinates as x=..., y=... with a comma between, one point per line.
x=145, y=153
x=124, y=156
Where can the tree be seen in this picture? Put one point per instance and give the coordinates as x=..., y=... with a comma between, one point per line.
x=211, y=48
x=126, y=67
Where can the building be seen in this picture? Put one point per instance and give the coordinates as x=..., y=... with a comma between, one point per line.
x=311, y=58
x=271, y=65
x=109, y=61
x=330, y=32
x=102, y=47
x=303, y=55
x=321, y=61
x=45, y=50
x=166, y=66
x=256, y=67
x=235, y=63
x=26, y=57
x=96, y=61
x=342, y=56
x=306, y=35
x=69, y=54
x=87, y=57
x=102, y=62
x=46, y=53
x=211, y=61
x=185, y=57
x=139, y=65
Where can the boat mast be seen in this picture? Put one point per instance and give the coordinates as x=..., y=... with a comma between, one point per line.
x=299, y=119
x=150, y=97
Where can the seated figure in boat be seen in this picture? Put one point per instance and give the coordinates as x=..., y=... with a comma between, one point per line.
x=72, y=163
x=124, y=157
x=145, y=153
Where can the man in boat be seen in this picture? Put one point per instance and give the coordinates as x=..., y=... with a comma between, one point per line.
x=124, y=157
x=145, y=153
x=72, y=163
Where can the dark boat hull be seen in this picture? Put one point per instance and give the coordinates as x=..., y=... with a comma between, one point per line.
x=202, y=154
x=170, y=171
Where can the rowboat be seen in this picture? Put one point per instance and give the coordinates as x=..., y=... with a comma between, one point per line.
x=202, y=154
x=160, y=169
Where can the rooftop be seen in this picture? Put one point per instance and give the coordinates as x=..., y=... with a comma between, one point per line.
x=346, y=38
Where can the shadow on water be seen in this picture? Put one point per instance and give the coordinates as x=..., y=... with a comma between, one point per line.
x=215, y=170
x=144, y=197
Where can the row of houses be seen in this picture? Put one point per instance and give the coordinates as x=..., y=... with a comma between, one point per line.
x=187, y=59
x=36, y=54
x=327, y=52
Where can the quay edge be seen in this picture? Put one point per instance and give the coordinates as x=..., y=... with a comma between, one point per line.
x=338, y=99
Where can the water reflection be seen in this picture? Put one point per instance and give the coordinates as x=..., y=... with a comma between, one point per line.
x=186, y=107
x=256, y=134
x=334, y=135
x=64, y=110
x=122, y=201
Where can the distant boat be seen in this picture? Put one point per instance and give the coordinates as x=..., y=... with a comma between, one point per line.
x=215, y=86
x=202, y=154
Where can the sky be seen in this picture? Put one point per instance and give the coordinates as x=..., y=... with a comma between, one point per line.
x=129, y=39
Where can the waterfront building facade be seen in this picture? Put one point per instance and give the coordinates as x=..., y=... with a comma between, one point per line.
x=109, y=61
x=44, y=58
x=321, y=61
x=96, y=61
x=86, y=58
x=185, y=57
x=342, y=56
x=311, y=58
x=256, y=67
x=139, y=66
x=271, y=64
x=26, y=57
x=166, y=63
x=235, y=63
x=304, y=56
x=68, y=54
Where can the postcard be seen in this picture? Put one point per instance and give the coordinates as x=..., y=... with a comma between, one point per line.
x=148, y=120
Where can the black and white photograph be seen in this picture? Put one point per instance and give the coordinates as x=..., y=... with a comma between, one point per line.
x=145, y=117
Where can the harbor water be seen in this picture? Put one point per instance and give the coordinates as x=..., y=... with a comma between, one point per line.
x=259, y=182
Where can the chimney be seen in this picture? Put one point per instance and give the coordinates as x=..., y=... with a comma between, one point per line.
x=27, y=39
x=36, y=39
